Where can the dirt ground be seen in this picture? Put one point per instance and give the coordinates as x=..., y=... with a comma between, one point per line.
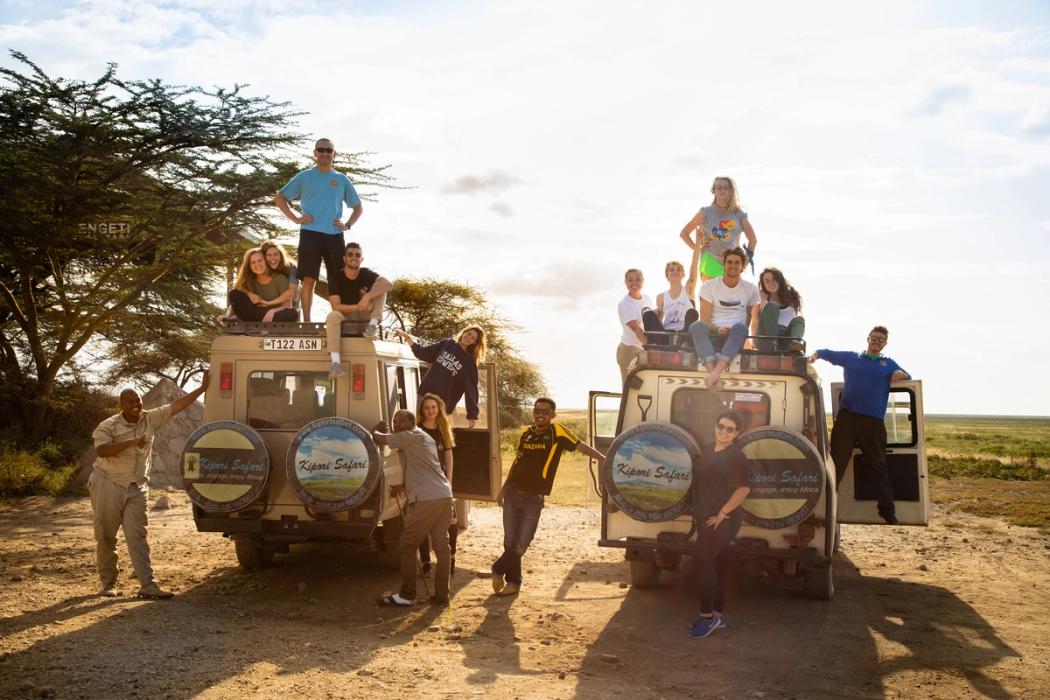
x=956, y=610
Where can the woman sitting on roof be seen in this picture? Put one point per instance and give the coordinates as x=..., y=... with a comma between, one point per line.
x=781, y=309
x=279, y=262
x=453, y=368
x=259, y=294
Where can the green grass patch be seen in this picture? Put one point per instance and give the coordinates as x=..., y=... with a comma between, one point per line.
x=1009, y=437
x=24, y=473
x=1023, y=503
x=985, y=468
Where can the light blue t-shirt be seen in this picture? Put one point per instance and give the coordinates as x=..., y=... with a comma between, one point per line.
x=321, y=195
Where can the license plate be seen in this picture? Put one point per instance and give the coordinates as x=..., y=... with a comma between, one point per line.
x=282, y=344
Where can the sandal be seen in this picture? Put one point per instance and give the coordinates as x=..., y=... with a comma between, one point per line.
x=389, y=601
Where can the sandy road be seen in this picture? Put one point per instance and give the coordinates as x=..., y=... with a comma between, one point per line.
x=956, y=610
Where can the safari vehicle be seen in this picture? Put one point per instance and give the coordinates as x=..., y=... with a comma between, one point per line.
x=285, y=454
x=664, y=417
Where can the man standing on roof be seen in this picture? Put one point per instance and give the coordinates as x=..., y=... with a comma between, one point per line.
x=321, y=192
x=726, y=305
x=356, y=294
x=862, y=412
x=530, y=479
x=119, y=485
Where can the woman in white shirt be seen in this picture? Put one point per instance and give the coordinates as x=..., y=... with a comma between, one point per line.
x=674, y=309
x=781, y=310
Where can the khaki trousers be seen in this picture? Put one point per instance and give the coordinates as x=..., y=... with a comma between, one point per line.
x=433, y=518
x=333, y=321
x=625, y=355
x=117, y=505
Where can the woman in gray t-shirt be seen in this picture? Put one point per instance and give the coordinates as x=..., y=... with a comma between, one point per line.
x=718, y=227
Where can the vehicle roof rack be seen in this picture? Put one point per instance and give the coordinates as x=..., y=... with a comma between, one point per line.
x=350, y=329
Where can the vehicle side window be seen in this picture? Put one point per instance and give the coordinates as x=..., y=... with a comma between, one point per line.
x=696, y=410
x=280, y=400
x=900, y=419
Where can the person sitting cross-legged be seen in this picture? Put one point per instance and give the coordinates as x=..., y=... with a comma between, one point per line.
x=674, y=308
x=356, y=294
x=726, y=304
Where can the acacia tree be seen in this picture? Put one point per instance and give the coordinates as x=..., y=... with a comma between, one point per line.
x=433, y=309
x=120, y=198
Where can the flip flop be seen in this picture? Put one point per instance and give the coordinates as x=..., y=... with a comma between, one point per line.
x=389, y=601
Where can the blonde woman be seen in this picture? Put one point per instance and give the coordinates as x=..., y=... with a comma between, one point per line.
x=453, y=369
x=675, y=311
x=434, y=422
x=257, y=291
x=718, y=227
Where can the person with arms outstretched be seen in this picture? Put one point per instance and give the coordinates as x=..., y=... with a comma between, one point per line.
x=862, y=413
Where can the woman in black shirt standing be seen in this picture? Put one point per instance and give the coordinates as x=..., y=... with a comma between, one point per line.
x=720, y=485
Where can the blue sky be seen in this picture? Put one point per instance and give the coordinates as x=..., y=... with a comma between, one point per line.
x=894, y=157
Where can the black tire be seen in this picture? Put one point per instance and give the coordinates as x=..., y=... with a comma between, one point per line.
x=643, y=573
x=818, y=583
x=251, y=555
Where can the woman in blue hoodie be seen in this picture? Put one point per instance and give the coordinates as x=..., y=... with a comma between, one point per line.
x=453, y=369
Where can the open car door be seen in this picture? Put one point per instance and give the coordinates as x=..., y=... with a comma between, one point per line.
x=603, y=410
x=477, y=466
x=905, y=461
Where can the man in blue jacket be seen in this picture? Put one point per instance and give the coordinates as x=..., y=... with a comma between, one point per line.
x=862, y=410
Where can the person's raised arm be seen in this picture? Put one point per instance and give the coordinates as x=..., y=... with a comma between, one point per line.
x=183, y=401
x=687, y=230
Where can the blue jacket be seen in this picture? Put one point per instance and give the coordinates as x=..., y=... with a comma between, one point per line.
x=867, y=387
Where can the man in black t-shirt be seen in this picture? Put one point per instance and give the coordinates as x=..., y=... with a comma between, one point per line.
x=356, y=294
x=530, y=479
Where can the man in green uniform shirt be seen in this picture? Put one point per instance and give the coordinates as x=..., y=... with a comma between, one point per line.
x=530, y=479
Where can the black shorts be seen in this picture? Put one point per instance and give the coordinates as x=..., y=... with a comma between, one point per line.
x=315, y=246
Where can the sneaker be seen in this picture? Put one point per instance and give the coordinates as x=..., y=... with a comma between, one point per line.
x=109, y=590
x=152, y=590
x=703, y=627
x=510, y=589
x=336, y=370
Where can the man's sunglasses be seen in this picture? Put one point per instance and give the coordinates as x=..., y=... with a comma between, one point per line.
x=325, y=150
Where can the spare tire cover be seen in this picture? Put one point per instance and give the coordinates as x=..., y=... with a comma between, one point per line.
x=224, y=466
x=333, y=464
x=648, y=471
x=787, y=477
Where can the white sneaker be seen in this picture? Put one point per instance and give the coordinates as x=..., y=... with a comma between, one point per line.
x=336, y=370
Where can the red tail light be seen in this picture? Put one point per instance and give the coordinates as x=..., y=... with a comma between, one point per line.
x=357, y=386
x=226, y=378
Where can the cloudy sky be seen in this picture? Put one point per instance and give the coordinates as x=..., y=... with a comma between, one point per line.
x=894, y=157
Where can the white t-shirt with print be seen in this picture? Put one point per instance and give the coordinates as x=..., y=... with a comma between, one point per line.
x=729, y=304
x=631, y=310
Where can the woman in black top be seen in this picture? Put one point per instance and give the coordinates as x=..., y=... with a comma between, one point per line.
x=720, y=485
x=434, y=422
x=453, y=371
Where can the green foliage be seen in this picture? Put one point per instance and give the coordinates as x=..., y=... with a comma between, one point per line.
x=24, y=473
x=433, y=309
x=993, y=436
x=122, y=199
x=984, y=468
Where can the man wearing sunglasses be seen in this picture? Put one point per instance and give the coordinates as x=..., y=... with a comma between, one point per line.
x=862, y=410
x=530, y=479
x=356, y=294
x=321, y=192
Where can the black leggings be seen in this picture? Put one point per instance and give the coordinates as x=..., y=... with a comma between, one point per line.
x=651, y=322
x=712, y=562
x=247, y=311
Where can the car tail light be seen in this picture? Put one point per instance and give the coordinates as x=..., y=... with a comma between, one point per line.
x=226, y=379
x=358, y=384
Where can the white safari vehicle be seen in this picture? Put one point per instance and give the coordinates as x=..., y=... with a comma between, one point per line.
x=665, y=415
x=285, y=454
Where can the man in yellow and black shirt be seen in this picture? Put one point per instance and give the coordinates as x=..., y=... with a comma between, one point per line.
x=530, y=479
